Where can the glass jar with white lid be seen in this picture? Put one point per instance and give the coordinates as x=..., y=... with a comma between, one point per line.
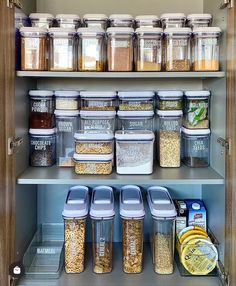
x=170, y=99
x=41, y=20
x=173, y=20
x=121, y=20
x=71, y=21
x=147, y=21
x=95, y=20
x=199, y=20
x=67, y=99
x=98, y=100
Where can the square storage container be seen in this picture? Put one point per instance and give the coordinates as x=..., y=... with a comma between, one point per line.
x=121, y=20
x=134, y=152
x=95, y=20
x=170, y=100
x=199, y=20
x=71, y=21
x=132, y=213
x=163, y=229
x=136, y=100
x=173, y=20
x=102, y=213
x=41, y=20
x=149, y=21
x=67, y=99
x=75, y=214
x=98, y=100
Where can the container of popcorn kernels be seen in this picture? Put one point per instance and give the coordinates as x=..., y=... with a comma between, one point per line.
x=67, y=99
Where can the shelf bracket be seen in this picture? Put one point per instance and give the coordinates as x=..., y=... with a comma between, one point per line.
x=227, y=4
x=14, y=3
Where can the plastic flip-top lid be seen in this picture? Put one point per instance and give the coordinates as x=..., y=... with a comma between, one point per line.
x=94, y=135
x=197, y=93
x=136, y=94
x=149, y=31
x=207, y=30
x=69, y=113
x=131, y=203
x=181, y=31
x=196, y=131
x=41, y=16
x=169, y=113
x=66, y=93
x=46, y=132
x=95, y=17
x=170, y=93
x=97, y=94
x=61, y=31
x=120, y=30
x=90, y=31
x=102, y=203
x=93, y=157
x=160, y=203
x=146, y=18
x=32, y=30
x=177, y=16
x=199, y=17
x=133, y=113
x=43, y=93
x=77, y=203
x=122, y=17
x=99, y=113
x=137, y=135
x=72, y=17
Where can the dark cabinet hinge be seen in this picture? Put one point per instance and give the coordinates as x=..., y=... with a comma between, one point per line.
x=14, y=144
x=227, y=4
x=14, y=3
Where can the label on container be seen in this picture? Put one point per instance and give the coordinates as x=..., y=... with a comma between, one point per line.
x=199, y=145
x=99, y=103
x=151, y=44
x=40, y=106
x=97, y=124
x=132, y=246
x=179, y=42
x=44, y=250
x=136, y=124
x=62, y=53
x=209, y=42
x=40, y=145
x=102, y=243
x=65, y=127
x=91, y=51
x=32, y=44
x=170, y=125
x=120, y=44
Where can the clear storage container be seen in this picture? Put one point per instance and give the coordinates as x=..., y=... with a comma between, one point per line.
x=169, y=145
x=199, y=20
x=96, y=20
x=100, y=120
x=148, y=49
x=170, y=100
x=197, y=109
x=120, y=49
x=62, y=49
x=42, y=147
x=71, y=21
x=94, y=142
x=173, y=20
x=177, y=49
x=135, y=120
x=164, y=214
x=102, y=213
x=134, y=151
x=206, y=49
x=41, y=109
x=136, y=100
x=132, y=213
x=149, y=21
x=41, y=20
x=121, y=20
x=33, y=48
x=74, y=214
x=67, y=124
x=196, y=147
x=98, y=100
x=67, y=99
x=91, y=49
x=91, y=164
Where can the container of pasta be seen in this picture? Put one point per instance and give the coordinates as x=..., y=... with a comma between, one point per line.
x=75, y=213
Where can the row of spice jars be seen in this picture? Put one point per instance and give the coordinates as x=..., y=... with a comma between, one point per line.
x=154, y=50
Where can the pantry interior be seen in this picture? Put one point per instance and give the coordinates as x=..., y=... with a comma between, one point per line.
x=41, y=192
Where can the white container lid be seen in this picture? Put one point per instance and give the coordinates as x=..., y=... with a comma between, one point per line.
x=160, y=203
x=61, y=32
x=170, y=93
x=137, y=135
x=97, y=94
x=149, y=31
x=133, y=113
x=146, y=18
x=136, y=94
x=66, y=93
x=131, y=202
x=93, y=157
x=207, y=30
x=99, y=113
x=181, y=31
x=122, y=17
x=95, y=17
x=41, y=16
x=96, y=135
x=33, y=30
x=36, y=131
x=77, y=203
x=196, y=131
x=120, y=30
x=90, y=31
x=193, y=17
x=41, y=93
x=72, y=17
x=180, y=16
x=169, y=113
x=102, y=203
x=197, y=93
x=69, y=113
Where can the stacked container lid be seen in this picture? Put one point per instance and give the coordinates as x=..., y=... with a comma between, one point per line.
x=150, y=21
x=68, y=21
x=95, y=20
x=121, y=20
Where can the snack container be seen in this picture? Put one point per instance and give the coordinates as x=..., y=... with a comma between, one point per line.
x=149, y=21
x=173, y=20
x=67, y=99
x=121, y=20
x=41, y=20
x=95, y=20
x=199, y=20
x=136, y=100
x=71, y=21
x=170, y=100
x=98, y=100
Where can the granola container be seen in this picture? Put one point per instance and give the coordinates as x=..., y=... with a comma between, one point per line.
x=102, y=213
x=148, y=49
x=75, y=213
x=41, y=20
x=163, y=214
x=91, y=164
x=94, y=142
x=132, y=213
x=98, y=100
x=177, y=49
x=170, y=100
x=71, y=21
x=136, y=100
x=67, y=99
x=121, y=20
x=91, y=49
x=199, y=20
x=95, y=20
x=173, y=20
x=149, y=21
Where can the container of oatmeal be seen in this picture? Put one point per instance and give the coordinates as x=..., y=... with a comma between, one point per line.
x=147, y=21
x=136, y=100
x=199, y=20
x=121, y=20
x=170, y=100
x=67, y=99
x=95, y=20
x=41, y=20
x=74, y=214
x=132, y=213
x=173, y=20
x=102, y=213
x=71, y=21
x=98, y=100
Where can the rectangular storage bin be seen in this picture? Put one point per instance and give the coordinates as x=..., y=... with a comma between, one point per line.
x=67, y=99
x=71, y=21
x=170, y=100
x=95, y=20
x=173, y=20
x=98, y=100
x=199, y=20
x=136, y=100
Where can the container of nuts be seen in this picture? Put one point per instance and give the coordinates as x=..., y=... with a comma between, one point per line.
x=67, y=99
x=102, y=213
x=136, y=100
x=75, y=213
x=98, y=100
x=163, y=231
x=132, y=213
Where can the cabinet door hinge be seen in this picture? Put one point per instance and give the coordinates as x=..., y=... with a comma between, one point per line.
x=14, y=3
x=224, y=276
x=227, y=4
x=14, y=144
x=224, y=143
x=16, y=271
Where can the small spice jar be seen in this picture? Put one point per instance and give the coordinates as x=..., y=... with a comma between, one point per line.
x=169, y=144
x=67, y=99
x=173, y=20
x=147, y=21
x=148, y=49
x=41, y=20
x=136, y=100
x=91, y=49
x=62, y=49
x=199, y=20
x=42, y=147
x=170, y=99
x=177, y=49
x=69, y=21
x=120, y=49
x=33, y=48
x=98, y=100
x=41, y=109
x=95, y=20
x=196, y=109
x=121, y=20
x=206, y=49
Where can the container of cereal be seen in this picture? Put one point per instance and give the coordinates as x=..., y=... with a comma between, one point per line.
x=196, y=109
x=93, y=164
x=121, y=20
x=98, y=100
x=170, y=100
x=196, y=147
x=41, y=20
x=95, y=20
x=94, y=142
x=148, y=49
x=177, y=49
x=67, y=99
x=132, y=213
x=169, y=145
x=173, y=20
x=100, y=120
x=75, y=213
x=136, y=100
x=134, y=151
x=33, y=48
x=199, y=20
x=42, y=147
x=164, y=214
x=62, y=49
x=206, y=49
x=71, y=21
x=91, y=49
x=102, y=213
x=66, y=123
x=120, y=49
x=149, y=21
